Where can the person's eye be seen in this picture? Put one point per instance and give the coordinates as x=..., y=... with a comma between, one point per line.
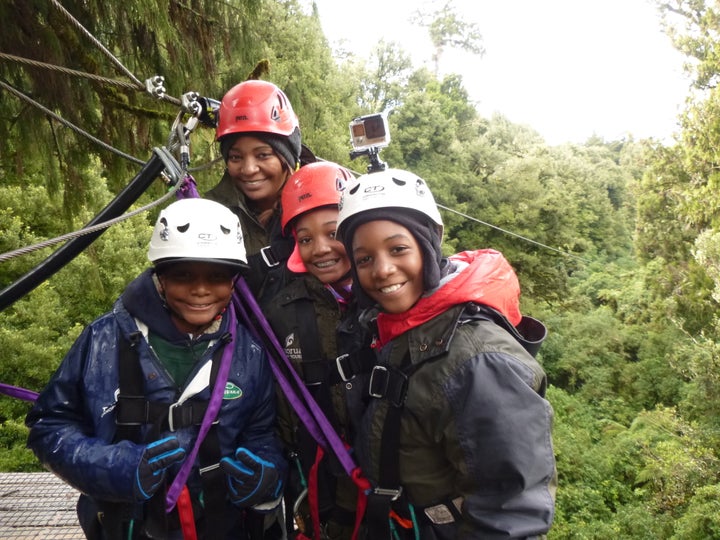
x=266, y=155
x=333, y=235
x=220, y=277
x=180, y=276
x=398, y=250
x=360, y=261
x=234, y=158
x=303, y=240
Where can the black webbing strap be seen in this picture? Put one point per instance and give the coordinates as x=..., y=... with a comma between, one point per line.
x=131, y=382
x=390, y=384
x=209, y=454
x=137, y=411
x=271, y=256
x=342, y=369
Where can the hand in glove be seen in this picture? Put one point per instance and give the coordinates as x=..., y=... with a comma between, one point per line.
x=156, y=458
x=251, y=479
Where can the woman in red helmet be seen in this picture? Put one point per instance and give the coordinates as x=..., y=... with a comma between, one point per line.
x=313, y=317
x=259, y=138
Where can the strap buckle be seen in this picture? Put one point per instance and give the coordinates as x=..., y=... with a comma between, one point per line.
x=394, y=494
x=390, y=384
x=171, y=416
x=341, y=371
x=376, y=382
x=209, y=468
x=268, y=256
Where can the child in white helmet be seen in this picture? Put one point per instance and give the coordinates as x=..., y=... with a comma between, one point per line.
x=162, y=413
x=457, y=435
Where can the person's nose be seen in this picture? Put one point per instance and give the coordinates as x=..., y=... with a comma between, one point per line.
x=200, y=286
x=383, y=267
x=249, y=166
x=321, y=246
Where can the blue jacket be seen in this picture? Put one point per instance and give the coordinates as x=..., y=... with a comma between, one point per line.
x=72, y=423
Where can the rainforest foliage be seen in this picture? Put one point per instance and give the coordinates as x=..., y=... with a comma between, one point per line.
x=616, y=243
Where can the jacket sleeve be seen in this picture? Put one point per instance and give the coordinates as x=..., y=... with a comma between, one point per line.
x=500, y=442
x=65, y=425
x=259, y=433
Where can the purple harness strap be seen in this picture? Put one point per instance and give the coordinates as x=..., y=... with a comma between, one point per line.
x=212, y=411
x=317, y=424
x=17, y=392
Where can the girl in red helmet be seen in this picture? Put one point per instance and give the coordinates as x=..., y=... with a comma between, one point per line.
x=259, y=138
x=313, y=318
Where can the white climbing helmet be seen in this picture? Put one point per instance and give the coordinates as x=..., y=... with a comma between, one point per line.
x=197, y=230
x=388, y=189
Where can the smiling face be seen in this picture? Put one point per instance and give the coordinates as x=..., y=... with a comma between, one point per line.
x=257, y=171
x=323, y=255
x=195, y=293
x=389, y=264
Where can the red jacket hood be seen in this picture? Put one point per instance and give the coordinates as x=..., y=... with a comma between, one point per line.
x=487, y=279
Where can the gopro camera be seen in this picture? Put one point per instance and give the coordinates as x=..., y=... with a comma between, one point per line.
x=369, y=131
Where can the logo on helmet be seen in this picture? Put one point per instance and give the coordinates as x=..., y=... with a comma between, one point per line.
x=207, y=237
x=165, y=233
x=374, y=189
x=421, y=187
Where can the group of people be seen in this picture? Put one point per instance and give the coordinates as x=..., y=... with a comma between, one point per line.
x=166, y=416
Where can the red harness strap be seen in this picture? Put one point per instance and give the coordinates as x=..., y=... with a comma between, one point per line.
x=313, y=493
x=186, y=515
x=363, y=485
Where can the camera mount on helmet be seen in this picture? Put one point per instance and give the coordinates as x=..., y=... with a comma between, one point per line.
x=368, y=135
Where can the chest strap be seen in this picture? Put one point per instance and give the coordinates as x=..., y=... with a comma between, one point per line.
x=342, y=369
x=387, y=382
x=134, y=411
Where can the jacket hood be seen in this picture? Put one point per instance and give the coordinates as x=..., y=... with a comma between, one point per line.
x=142, y=301
x=483, y=276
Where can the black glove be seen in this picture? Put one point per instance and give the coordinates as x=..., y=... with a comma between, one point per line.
x=156, y=458
x=251, y=479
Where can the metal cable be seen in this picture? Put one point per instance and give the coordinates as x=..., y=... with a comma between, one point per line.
x=513, y=234
x=68, y=124
x=52, y=67
x=99, y=226
x=99, y=45
x=138, y=84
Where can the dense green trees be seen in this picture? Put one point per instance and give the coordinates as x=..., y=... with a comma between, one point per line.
x=616, y=243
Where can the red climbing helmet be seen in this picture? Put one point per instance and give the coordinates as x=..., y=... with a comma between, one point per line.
x=256, y=106
x=312, y=186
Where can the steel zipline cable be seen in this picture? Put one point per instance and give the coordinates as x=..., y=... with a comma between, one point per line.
x=89, y=229
x=138, y=84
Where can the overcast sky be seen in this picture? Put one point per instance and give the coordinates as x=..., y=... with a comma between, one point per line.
x=567, y=68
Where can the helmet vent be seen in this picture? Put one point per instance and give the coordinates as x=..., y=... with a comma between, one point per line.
x=398, y=181
x=224, y=230
x=183, y=228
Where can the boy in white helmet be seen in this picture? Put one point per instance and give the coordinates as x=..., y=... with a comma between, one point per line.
x=457, y=435
x=162, y=413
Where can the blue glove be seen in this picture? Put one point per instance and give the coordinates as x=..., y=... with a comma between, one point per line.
x=156, y=458
x=251, y=479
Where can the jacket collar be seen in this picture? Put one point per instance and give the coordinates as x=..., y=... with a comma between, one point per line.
x=482, y=276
